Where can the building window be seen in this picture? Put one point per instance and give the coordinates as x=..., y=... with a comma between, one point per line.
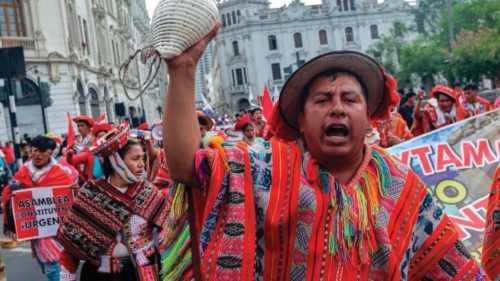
x=86, y=33
x=276, y=70
x=273, y=45
x=351, y=3
x=228, y=17
x=238, y=14
x=236, y=50
x=239, y=76
x=374, y=31
x=297, y=39
x=233, y=76
x=11, y=19
x=234, y=17
x=345, y=7
x=223, y=20
x=81, y=98
x=323, y=39
x=94, y=103
x=349, y=36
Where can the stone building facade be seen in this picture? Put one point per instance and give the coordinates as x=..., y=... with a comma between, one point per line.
x=73, y=51
x=258, y=45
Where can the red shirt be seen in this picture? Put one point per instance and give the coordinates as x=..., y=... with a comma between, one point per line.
x=9, y=153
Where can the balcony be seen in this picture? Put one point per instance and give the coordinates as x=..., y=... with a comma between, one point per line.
x=238, y=89
x=26, y=43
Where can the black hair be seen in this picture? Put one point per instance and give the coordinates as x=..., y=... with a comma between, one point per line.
x=246, y=126
x=84, y=122
x=202, y=121
x=333, y=73
x=237, y=115
x=410, y=94
x=43, y=143
x=437, y=94
x=471, y=87
x=255, y=109
x=106, y=165
x=457, y=84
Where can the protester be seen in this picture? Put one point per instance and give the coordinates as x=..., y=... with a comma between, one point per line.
x=316, y=203
x=25, y=151
x=112, y=219
x=41, y=171
x=205, y=123
x=8, y=151
x=473, y=103
x=258, y=121
x=85, y=124
x=447, y=111
x=248, y=129
x=88, y=165
x=407, y=108
x=392, y=131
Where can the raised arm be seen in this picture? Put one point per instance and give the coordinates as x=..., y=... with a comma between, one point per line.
x=181, y=133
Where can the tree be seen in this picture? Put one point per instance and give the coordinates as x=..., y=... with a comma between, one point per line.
x=477, y=53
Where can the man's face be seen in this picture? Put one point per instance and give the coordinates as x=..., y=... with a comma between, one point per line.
x=335, y=118
x=83, y=129
x=445, y=103
x=40, y=158
x=470, y=96
x=257, y=116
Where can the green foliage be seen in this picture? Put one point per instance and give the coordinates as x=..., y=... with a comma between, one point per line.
x=476, y=49
x=477, y=53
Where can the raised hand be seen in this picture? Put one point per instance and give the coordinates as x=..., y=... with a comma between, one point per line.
x=190, y=57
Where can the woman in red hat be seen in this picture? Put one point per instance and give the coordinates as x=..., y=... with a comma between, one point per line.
x=88, y=165
x=248, y=129
x=447, y=111
x=111, y=221
x=316, y=202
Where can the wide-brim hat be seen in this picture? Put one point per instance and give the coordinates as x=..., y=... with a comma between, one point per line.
x=113, y=141
x=86, y=119
x=210, y=122
x=380, y=87
x=444, y=90
x=103, y=127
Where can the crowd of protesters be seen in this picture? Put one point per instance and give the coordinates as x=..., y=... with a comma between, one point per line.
x=307, y=195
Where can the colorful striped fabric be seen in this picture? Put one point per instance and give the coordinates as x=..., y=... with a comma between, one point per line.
x=491, y=248
x=300, y=223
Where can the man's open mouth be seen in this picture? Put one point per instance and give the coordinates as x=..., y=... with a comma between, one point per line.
x=338, y=132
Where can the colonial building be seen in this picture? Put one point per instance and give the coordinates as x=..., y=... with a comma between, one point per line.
x=73, y=51
x=259, y=46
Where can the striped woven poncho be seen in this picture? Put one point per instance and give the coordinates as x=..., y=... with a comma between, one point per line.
x=272, y=213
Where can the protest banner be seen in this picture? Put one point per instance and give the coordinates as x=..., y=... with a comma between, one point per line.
x=38, y=211
x=458, y=163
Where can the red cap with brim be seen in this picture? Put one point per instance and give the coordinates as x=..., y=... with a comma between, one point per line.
x=380, y=89
x=242, y=122
x=113, y=141
x=444, y=90
x=143, y=127
x=86, y=119
x=103, y=127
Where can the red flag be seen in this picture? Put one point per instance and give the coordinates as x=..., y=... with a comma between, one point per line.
x=71, y=132
x=267, y=104
x=101, y=119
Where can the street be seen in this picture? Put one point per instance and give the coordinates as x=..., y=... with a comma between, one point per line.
x=19, y=264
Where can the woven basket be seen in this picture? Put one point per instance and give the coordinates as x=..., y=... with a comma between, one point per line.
x=179, y=24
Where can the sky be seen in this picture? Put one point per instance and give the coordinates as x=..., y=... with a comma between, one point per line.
x=151, y=4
